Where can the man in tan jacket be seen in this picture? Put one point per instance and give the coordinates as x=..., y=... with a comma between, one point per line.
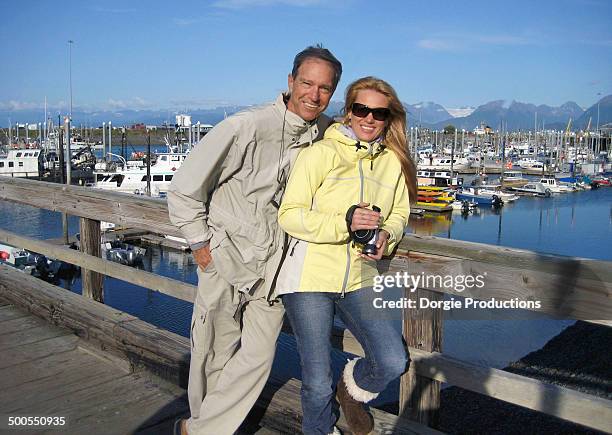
x=225, y=198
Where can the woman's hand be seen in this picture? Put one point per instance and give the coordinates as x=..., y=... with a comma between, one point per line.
x=364, y=218
x=381, y=246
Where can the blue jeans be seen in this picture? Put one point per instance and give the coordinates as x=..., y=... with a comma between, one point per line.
x=312, y=315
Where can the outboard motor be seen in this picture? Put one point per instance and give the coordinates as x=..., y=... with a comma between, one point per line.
x=497, y=201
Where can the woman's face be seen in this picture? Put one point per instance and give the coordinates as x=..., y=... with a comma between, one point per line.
x=368, y=129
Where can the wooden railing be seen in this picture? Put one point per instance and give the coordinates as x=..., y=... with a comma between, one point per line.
x=568, y=288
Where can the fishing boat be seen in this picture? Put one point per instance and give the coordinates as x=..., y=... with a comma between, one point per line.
x=123, y=253
x=20, y=163
x=132, y=178
x=532, y=188
x=556, y=187
x=513, y=179
x=474, y=195
x=530, y=163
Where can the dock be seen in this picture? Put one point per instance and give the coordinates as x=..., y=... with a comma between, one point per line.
x=53, y=341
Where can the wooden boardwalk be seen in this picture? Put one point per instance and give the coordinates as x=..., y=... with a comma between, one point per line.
x=49, y=371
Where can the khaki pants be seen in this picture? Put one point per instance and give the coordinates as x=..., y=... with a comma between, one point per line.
x=229, y=365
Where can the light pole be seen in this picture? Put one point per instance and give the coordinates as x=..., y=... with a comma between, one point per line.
x=70, y=42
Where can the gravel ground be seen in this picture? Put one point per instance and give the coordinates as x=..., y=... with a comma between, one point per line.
x=579, y=358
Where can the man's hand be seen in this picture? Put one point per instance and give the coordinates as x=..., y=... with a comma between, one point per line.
x=381, y=246
x=202, y=257
x=364, y=218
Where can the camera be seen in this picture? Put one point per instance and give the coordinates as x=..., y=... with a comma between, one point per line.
x=367, y=238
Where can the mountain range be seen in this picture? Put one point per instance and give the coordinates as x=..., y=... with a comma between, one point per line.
x=513, y=115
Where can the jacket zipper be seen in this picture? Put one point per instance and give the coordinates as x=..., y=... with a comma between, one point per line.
x=348, y=245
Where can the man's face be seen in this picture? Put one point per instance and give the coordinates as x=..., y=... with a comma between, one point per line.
x=311, y=89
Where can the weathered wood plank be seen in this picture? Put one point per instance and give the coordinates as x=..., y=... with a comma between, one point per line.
x=37, y=350
x=422, y=329
x=564, y=294
x=53, y=382
x=111, y=405
x=154, y=406
x=520, y=259
x=92, y=282
x=21, y=324
x=143, y=344
x=172, y=287
x=124, y=209
x=41, y=368
x=8, y=312
x=28, y=336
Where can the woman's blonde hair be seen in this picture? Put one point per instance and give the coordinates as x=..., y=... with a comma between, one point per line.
x=394, y=134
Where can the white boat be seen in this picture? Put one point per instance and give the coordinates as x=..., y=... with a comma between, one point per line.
x=555, y=186
x=533, y=188
x=530, y=163
x=133, y=178
x=492, y=190
x=444, y=162
x=20, y=163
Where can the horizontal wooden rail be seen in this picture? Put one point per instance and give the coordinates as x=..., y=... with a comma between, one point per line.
x=522, y=259
x=120, y=208
x=566, y=294
x=169, y=286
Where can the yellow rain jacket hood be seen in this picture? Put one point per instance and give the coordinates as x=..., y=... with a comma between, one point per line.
x=328, y=178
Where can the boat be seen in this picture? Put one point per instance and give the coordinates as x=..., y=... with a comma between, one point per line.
x=443, y=179
x=465, y=206
x=496, y=190
x=513, y=179
x=20, y=163
x=430, y=196
x=599, y=181
x=532, y=188
x=123, y=253
x=474, y=194
x=132, y=177
x=556, y=187
x=444, y=163
x=37, y=265
x=530, y=163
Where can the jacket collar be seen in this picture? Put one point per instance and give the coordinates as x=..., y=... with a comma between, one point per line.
x=297, y=131
x=340, y=133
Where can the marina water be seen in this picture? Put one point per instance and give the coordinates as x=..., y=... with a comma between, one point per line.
x=574, y=224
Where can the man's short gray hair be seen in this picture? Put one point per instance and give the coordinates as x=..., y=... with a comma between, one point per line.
x=318, y=52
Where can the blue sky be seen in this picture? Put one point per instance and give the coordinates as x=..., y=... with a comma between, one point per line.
x=191, y=54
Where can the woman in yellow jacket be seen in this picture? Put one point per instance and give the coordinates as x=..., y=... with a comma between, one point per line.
x=329, y=203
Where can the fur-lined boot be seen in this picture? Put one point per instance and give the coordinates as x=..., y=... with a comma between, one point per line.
x=352, y=398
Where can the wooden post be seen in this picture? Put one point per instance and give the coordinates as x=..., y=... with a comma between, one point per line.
x=90, y=244
x=422, y=328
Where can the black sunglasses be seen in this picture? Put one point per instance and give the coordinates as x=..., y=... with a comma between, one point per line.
x=379, y=113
